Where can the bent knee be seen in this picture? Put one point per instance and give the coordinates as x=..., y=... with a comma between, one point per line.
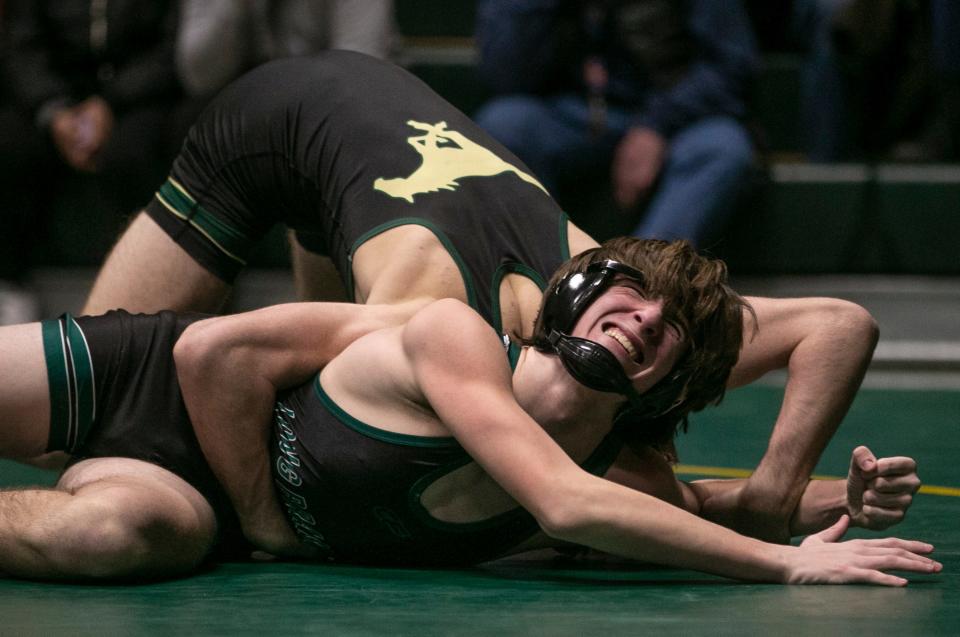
x=110, y=543
x=719, y=140
x=512, y=119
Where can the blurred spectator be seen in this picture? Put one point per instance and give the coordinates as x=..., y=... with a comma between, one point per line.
x=806, y=27
x=98, y=79
x=945, y=37
x=881, y=77
x=651, y=91
x=221, y=39
x=17, y=304
x=95, y=111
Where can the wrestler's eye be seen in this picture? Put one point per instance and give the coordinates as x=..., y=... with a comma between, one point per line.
x=446, y=142
x=631, y=285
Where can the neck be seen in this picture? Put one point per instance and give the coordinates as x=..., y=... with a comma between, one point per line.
x=551, y=396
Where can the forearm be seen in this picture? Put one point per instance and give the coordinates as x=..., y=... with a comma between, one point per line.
x=230, y=370
x=826, y=345
x=640, y=527
x=238, y=453
x=822, y=503
x=231, y=415
x=825, y=371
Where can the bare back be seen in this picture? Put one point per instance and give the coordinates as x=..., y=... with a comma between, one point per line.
x=409, y=263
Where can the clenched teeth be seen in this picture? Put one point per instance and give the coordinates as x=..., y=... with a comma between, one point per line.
x=621, y=338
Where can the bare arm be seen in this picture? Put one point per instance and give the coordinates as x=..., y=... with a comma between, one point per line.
x=875, y=495
x=230, y=369
x=825, y=345
x=574, y=506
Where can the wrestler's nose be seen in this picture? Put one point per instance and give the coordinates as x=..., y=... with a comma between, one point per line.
x=650, y=318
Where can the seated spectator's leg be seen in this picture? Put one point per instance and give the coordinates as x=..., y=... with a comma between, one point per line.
x=945, y=41
x=147, y=272
x=824, y=109
x=107, y=518
x=550, y=135
x=706, y=167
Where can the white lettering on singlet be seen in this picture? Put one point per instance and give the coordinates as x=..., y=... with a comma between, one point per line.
x=287, y=470
x=288, y=462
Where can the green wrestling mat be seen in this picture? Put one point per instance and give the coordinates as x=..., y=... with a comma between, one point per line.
x=557, y=596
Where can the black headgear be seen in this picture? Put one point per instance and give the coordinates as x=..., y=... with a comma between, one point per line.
x=588, y=362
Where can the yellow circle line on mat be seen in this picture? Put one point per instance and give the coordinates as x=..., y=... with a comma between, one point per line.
x=730, y=472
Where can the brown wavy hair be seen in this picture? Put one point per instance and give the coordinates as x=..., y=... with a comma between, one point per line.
x=698, y=303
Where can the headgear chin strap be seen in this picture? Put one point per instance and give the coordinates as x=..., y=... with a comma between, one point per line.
x=592, y=365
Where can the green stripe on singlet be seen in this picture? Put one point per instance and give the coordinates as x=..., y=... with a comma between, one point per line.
x=229, y=240
x=54, y=353
x=71, y=383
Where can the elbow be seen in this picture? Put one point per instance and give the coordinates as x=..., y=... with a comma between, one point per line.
x=857, y=325
x=194, y=350
x=559, y=524
x=562, y=517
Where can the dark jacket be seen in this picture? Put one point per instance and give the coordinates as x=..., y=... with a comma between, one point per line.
x=672, y=61
x=63, y=51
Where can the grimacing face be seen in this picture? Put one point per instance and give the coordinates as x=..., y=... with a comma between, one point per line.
x=633, y=329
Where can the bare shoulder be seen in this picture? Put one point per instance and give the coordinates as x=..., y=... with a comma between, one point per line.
x=450, y=330
x=446, y=318
x=578, y=240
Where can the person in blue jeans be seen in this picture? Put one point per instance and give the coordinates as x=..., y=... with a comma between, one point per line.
x=654, y=89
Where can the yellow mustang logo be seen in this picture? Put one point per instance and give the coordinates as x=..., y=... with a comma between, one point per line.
x=447, y=157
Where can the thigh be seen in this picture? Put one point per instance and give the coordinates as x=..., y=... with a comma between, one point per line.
x=315, y=275
x=140, y=413
x=550, y=135
x=147, y=271
x=721, y=140
x=707, y=165
x=24, y=393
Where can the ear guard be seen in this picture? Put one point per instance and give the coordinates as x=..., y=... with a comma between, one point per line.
x=591, y=364
x=574, y=292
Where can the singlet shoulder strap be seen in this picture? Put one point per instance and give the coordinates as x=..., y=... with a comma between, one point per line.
x=512, y=350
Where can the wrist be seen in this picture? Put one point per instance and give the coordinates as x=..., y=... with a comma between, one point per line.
x=48, y=110
x=768, y=510
x=822, y=504
x=786, y=561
